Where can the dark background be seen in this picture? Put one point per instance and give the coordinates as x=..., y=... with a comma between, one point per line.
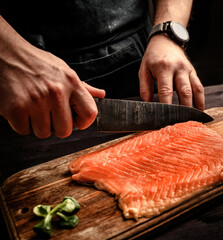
x=205, y=51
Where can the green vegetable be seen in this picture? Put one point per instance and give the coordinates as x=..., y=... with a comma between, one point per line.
x=63, y=211
x=44, y=227
x=77, y=205
x=67, y=221
x=41, y=210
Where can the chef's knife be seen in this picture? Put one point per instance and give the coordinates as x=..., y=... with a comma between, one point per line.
x=115, y=115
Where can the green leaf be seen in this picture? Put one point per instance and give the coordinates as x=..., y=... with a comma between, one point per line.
x=42, y=210
x=69, y=206
x=44, y=227
x=67, y=221
x=77, y=205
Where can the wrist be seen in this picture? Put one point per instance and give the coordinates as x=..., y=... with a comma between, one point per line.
x=161, y=40
x=173, y=30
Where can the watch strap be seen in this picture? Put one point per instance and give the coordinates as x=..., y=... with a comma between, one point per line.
x=159, y=28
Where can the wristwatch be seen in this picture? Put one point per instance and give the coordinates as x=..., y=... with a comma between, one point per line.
x=176, y=31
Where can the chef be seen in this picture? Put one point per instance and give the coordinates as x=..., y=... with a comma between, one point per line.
x=55, y=55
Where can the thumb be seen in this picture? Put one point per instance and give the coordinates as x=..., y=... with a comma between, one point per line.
x=95, y=92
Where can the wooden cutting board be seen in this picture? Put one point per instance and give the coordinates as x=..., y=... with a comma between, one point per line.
x=99, y=217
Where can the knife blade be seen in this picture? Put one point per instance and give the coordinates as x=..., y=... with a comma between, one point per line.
x=118, y=115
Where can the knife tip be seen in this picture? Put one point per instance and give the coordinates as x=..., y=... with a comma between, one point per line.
x=207, y=118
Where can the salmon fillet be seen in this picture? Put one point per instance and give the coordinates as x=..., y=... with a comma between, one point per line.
x=154, y=171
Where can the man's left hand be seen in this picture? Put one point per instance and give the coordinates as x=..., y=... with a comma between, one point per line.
x=165, y=62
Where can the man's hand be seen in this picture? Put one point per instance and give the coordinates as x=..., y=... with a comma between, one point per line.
x=37, y=89
x=165, y=62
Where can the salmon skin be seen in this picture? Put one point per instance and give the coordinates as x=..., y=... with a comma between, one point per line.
x=154, y=171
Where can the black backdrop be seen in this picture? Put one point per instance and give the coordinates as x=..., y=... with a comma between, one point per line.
x=206, y=46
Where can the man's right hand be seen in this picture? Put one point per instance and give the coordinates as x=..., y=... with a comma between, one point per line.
x=37, y=89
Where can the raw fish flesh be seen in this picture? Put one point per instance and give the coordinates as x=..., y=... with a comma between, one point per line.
x=154, y=171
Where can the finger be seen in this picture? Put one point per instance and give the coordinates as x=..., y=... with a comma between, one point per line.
x=62, y=120
x=165, y=87
x=184, y=90
x=19, y=122
x=85, y=108
x=198, y=91
x=41, y=122
x=146, y=84
x=95, y=92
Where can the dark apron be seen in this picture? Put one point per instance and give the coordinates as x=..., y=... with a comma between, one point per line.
x=113, y=67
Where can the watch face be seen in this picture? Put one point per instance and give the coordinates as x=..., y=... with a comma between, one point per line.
x=179, y=31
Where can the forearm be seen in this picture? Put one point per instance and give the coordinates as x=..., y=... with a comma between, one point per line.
x=173, y=10
x=8, y=36
x=13, y=47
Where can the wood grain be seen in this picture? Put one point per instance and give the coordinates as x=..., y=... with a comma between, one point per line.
x=99, y=217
